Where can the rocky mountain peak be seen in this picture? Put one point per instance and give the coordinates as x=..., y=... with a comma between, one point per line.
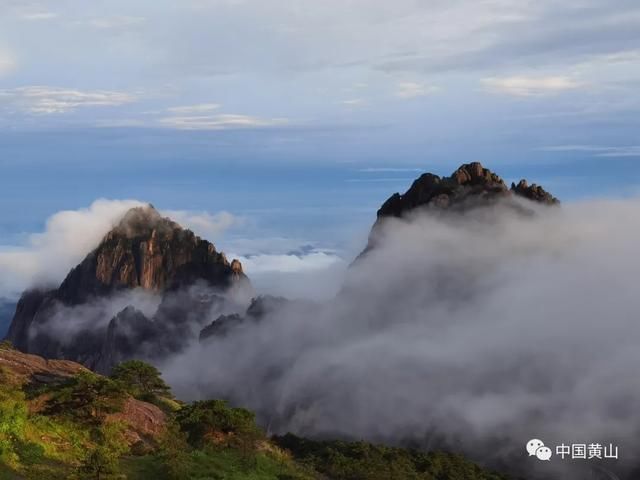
x=470, y=186
x=475, y=174
x=149, y=251
x=144, y=250
x=533, y=192
x=143, y=221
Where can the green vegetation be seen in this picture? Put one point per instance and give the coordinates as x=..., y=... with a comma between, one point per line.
x=87, y=397
x=214, y=421
x=342, y=460
x=78, y=429
x=141, y=380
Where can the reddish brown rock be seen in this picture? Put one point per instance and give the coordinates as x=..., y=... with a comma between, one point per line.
x=143, y=421
x=149, y=251
x=24, y=368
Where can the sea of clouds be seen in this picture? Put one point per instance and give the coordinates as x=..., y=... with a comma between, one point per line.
x=474, y=332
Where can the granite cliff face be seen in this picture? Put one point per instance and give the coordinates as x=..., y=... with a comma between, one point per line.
x=151, y=252
x=144, y=252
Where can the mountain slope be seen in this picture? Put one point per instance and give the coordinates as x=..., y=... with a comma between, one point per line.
x=144, y=252
x=50, y=428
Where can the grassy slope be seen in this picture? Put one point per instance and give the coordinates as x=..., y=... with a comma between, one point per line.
x=205, y=440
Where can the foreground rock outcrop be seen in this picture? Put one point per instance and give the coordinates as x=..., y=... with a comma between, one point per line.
x=142, y=421
x=25, y=368
x=145, y=252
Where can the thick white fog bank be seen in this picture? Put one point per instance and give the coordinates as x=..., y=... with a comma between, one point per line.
x=480, y=331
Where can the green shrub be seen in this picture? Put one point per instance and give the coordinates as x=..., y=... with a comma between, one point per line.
x=141, y=380
x=173, y=453
x=103, y=460
x=13, y=418
x=29, y=453
x=200, y=419
x=87, y=397
x=99, y=463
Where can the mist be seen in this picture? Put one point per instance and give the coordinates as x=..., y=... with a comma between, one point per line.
x=478, y=331
x=69, y=235
x=65, y=322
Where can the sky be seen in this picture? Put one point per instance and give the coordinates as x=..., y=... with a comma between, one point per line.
x=299, y=118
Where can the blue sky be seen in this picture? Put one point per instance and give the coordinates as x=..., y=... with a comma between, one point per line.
x=302, y=117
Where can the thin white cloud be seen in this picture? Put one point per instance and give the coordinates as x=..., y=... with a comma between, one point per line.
x=7, y=62
x=69, y=236
x=204, y=224
x=524, y=86
x=119, y=21
x=194, y=109
x=597, y=150
x=388, y=169
x=409, y=90
x=354, y=102
x=38, y=16
x=220, y=122
x=51, y=100
x=378, y=180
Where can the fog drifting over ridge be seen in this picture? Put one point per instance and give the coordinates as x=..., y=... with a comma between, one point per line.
x=477, y=331
x=481, y=331
x=46, y=257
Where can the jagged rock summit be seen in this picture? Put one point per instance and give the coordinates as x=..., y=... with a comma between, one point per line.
x=469, y=186
x=143, y=251
x=149, y=251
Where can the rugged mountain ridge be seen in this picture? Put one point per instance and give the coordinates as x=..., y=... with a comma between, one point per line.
x=470, y=186
x=144, y=251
